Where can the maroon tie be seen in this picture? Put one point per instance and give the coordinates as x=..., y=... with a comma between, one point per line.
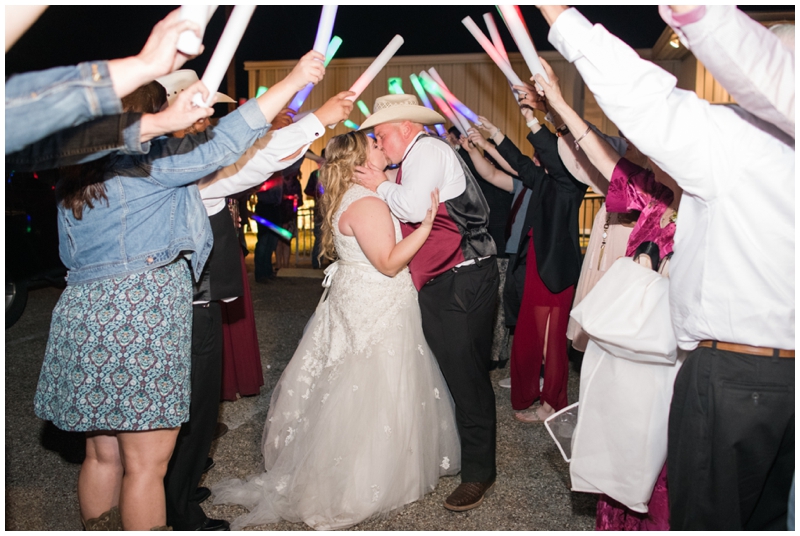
x=513, y=215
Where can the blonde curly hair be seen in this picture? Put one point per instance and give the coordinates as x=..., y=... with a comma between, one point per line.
x=342, y=154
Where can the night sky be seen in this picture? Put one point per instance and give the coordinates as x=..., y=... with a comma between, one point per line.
x=70, y=34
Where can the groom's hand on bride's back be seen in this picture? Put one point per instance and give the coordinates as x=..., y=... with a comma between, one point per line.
x=370, y=176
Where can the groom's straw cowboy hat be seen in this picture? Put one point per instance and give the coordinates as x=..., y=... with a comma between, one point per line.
x=394, y=108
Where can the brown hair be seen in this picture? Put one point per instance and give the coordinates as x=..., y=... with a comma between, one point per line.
x=342, y=154
x=80, y=185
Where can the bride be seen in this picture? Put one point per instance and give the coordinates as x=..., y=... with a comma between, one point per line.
x=361, y=422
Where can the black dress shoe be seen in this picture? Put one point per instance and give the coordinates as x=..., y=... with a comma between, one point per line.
x=209, y=464
x=201, y=494
x=220, y=430
x=214, y=524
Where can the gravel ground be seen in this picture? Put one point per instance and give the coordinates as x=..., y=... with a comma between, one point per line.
x=42, y=462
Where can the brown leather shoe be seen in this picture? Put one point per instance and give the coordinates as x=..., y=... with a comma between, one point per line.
x=468, y=495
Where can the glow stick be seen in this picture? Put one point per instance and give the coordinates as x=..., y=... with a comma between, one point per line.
x=492, y=51
x=223, y=54
x=333, y=47
x=448, y=113
x=433, y=87
x=494, y=33
x=379, y=63
x=424, y=98
x=325, y=28
x=350, y=124
x=396, y=86
x=280, y=231
x=516, y=25
x=458, y=107
x=363, y=108
x=188, y=42
x=261, y=91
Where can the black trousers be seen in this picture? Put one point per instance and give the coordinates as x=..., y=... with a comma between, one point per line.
x=194, y=439
x=730, y=457
x=513, y=289
x=457, y=319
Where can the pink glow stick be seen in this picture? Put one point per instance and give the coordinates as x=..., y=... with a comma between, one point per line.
x=522, y=38
x=372, y=71
x=440, y=102
x=494, y=33
x=458, y=107
x=489, y=48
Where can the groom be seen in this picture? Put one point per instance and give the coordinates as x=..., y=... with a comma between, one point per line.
x=455, y=273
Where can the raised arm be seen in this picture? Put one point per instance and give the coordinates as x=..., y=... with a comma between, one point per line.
x=485, y=169
x=600, y=153
x=489, y=130
x=674, y=127
x=745, y=57
x=370, y=221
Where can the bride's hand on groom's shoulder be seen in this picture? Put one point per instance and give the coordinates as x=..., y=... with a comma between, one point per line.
x=431, y=214
x=369, y=176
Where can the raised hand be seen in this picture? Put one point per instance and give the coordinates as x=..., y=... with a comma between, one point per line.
x=284, y=118
x=487, y=127
x=335, y=109
x=552, y=90
x=309, y=70
x=477, y=139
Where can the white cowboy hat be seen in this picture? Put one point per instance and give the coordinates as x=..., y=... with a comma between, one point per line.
x=177, y=81
x=404, y=107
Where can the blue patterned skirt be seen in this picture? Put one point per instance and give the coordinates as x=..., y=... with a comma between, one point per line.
x=119, y=353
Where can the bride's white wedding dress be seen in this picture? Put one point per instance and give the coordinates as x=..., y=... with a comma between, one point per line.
x=361, y=421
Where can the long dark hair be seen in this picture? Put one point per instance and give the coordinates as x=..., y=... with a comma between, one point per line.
x=82, y=185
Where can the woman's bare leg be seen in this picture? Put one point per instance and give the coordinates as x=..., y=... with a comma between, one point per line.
x=145, y=456
x=100, y=479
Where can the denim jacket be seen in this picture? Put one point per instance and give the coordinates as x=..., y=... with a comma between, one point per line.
x=154, y=212
x=40, y=103
x=84, y=143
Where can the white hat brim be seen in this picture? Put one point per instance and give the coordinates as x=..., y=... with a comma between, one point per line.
x=406, y=112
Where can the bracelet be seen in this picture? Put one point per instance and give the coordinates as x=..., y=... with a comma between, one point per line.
x=532, y=122
x=578, y=147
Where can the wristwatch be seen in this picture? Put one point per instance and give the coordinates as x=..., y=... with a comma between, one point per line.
x=562, y=131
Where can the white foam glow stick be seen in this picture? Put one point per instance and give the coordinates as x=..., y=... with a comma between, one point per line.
x=188, y=42
x=494, y=33
x=489, y=48
x=223, y=54
x=325, y=28
x=372, y=71
x=519, y=32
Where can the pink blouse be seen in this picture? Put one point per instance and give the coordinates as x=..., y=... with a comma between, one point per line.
x=635, y=188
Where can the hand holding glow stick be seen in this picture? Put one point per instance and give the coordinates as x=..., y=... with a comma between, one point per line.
x=522, y=38
x=188, y=42
x=489, y=48
x=379, y=63
x=302, y=95
x=228, y=43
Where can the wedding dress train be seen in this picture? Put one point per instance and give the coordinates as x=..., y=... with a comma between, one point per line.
x=361, y=422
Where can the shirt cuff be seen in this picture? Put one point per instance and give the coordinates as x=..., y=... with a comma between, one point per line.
x=99, y=84
x=312, y=127
x=676, y=20
x=252, y=115
x=569, y=32
x=132, y=134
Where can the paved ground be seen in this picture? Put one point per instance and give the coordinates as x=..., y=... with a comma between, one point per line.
x=42, y=462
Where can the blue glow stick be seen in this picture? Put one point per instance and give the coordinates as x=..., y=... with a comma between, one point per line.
x=350, y=124
x=280, y=231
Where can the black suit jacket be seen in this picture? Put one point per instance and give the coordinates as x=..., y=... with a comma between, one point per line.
x=552, y=212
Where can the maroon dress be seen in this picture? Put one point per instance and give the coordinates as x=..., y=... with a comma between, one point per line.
x=635, y=188
x=241, y=359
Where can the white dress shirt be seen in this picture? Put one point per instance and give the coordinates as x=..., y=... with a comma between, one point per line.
x=259, y=162
x=732, y=275
x=427, y=164
x=746, y=58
